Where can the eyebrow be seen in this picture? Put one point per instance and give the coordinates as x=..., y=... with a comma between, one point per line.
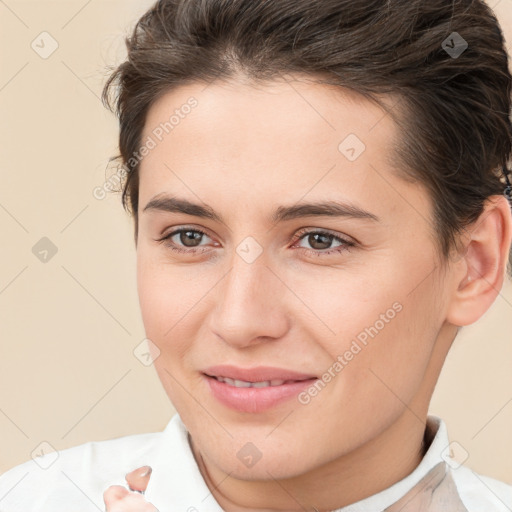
x=282, y=213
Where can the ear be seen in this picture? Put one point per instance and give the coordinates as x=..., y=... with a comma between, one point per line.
x=479, y=273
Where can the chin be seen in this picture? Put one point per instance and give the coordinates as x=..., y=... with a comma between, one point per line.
x=278, y=469
x=253, y=461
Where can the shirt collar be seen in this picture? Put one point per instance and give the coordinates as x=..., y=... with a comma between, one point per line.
x=177, y=484
x=436, y=491
x=436, y=438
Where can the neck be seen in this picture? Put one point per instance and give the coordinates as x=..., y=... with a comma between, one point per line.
x=363, y=472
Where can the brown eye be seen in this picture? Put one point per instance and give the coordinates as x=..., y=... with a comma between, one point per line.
x=190, y=238
x=321, y=242
x=184, y=240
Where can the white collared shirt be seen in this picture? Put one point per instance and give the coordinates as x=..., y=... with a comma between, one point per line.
x=74, y=479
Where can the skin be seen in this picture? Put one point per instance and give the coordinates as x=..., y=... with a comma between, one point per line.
x=119, y=499
x=246, y=150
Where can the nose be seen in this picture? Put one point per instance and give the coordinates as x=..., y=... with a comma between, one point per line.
x=251, y=305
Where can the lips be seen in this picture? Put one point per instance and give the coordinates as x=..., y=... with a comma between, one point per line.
x=254, y=399
x=256, y=374
x=254, y=390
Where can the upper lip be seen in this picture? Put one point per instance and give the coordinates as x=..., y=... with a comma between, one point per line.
x=257, y=374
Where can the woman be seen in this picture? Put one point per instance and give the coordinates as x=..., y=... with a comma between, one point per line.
x=320, y=204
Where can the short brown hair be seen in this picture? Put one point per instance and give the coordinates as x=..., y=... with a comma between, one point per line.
x=456, y=134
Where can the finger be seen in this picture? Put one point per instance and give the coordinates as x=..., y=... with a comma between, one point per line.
x=119, y=499
x=113, y=495
x=138, y=479
x=133, y=502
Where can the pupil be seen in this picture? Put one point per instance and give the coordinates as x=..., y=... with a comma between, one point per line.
x=315, y=236
x=187, y=236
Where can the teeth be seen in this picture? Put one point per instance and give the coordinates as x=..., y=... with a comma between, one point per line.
x=244, y=384
x=239, y=383
x=262, y=384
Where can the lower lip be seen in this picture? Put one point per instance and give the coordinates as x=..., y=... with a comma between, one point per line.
x=255, y=399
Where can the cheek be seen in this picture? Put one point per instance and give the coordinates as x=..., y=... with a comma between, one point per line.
x=169, y=297
x=340, y=305
x=162, y=292
x=160, y=304
x=379, y=325
x=162, y=307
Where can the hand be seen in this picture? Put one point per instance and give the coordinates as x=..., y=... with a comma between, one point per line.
x=119, y=499
x=138, y=479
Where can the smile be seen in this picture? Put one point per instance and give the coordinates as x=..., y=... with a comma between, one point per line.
x=254, y=397
x=246, y=384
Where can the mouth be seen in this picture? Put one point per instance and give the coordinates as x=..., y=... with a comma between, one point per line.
x=237, y=383
x=232, y=373
x=254, y=396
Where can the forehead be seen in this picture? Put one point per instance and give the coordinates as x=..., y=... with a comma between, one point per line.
x=292, y=107
x=274, y=142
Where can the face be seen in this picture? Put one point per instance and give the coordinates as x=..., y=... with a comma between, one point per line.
x=349, y=296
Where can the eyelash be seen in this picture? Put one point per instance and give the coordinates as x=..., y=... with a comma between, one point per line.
x=347, y=245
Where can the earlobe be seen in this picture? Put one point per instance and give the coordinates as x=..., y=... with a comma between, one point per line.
x=479, y=275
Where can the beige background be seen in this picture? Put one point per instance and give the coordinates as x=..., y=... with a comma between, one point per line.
x=69, y=326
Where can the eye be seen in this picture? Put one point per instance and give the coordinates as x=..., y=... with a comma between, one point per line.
x=189, y=237
x=188, y=240
x=321, y=240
